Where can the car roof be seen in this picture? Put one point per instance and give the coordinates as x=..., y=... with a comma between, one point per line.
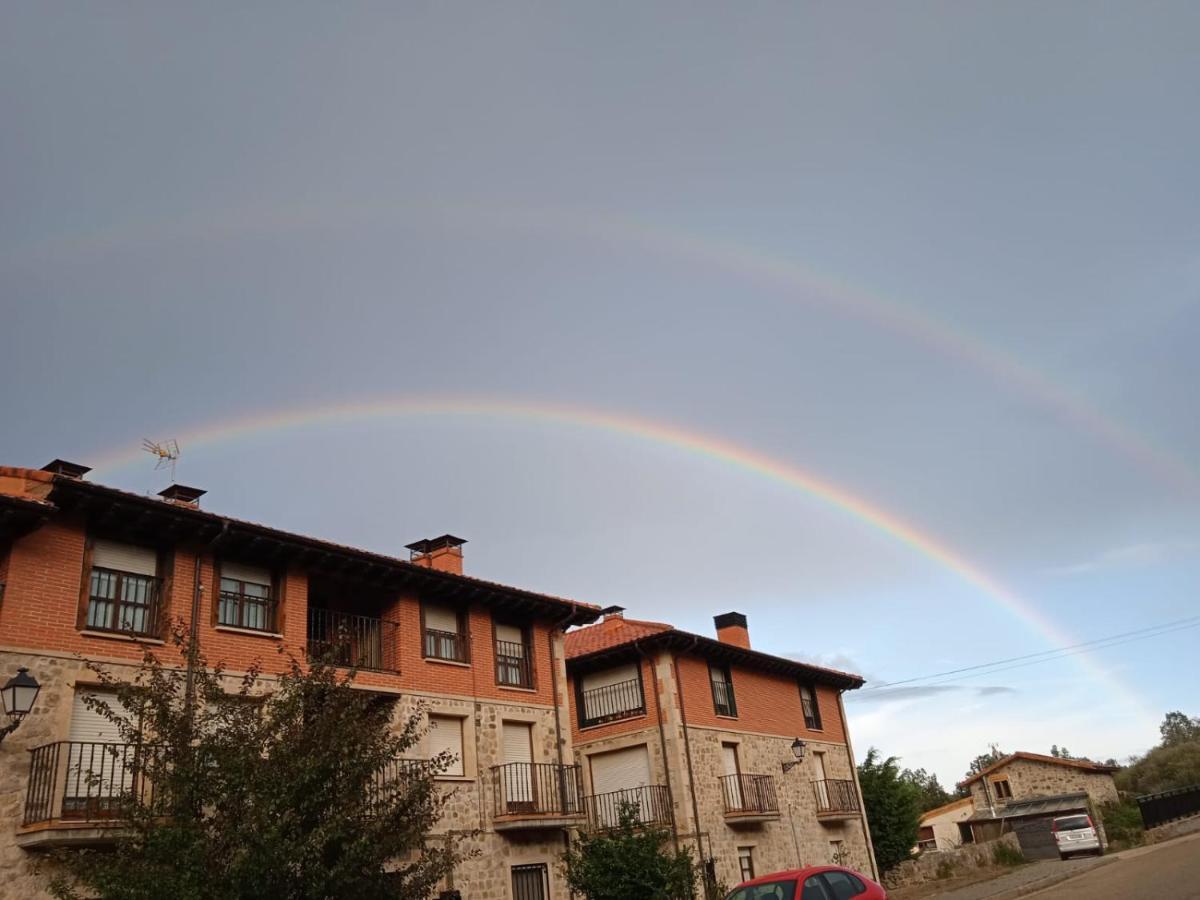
x=797, y=875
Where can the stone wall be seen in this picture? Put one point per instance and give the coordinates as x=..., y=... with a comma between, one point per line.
x=939, y=865
x=1030, y=778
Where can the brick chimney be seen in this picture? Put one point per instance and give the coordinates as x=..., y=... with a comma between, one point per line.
x=442, y=553
x=66, y=469
x=613, y=615
x=731, y=629
x=182, y=495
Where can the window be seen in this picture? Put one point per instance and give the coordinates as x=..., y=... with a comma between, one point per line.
x=610, y=695
x=836, y=853
x=1003, y=789
x=246, y=599
x=722, y=690
x=122, y=589
x=843, y=885
x=814, y=889
x=529, y=882
x=445, y=633
x=446, y=736
x=812, y=712
x=773, y=890
x=514, y=659
x=746, y=862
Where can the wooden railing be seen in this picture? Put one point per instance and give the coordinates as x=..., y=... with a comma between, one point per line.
x=350, y=640
x=537, y=789
x=835, y=796
x=514, y=664
x=622, y=700
x=749, y=794
x=652, y=804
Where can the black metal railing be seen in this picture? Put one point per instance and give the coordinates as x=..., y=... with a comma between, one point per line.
x=445, y=645
x=651, y=802
x=85, y=781
x=124, y=602
x=537, y=789
x=723, y=701
x=514, y=664
x=240, y=610
x=1169, y=805
x=392, y=779
x=835, y=796
x=345, y=639
x=749, y=794
x=622, y=700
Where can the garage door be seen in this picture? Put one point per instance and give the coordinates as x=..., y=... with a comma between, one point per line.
x=1036, y=837
x=616, y=778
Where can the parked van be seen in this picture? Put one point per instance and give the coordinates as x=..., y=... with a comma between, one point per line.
x=1075, y=834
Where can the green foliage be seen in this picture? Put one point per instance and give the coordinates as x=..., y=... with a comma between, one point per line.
x=629, y=861
x=983, y=760
x=1122, y=824
x=1162, y=769
x=893, y=808
x=1177, y=728
x=932, y=793
x=1060, y=752
x=1007, y=855
x=271, y=790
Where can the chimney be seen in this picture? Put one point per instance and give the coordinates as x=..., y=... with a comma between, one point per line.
x=66, y=469
x=731, y=629
x=442, y=553
x=182, y=495
x=612, y=614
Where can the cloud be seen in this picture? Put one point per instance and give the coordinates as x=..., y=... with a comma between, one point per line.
x=884, y=694
x=1131, y=556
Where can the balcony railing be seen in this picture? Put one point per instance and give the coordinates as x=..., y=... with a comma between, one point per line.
x=85, y=781
x=445, y=645
x=526, y=790
x=651, y=801
x=123, y=602
x=514, y=664
x=622, y=700
x=835, y=796
x=352, y=640
x=749, y=795
x=723, y=701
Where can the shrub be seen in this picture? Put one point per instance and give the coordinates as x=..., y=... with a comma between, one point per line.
x=1123, y=824
x=1007, y=855
x=945, y=869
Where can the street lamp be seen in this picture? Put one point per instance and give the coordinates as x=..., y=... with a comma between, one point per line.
x=18, y=696
x=798, y=748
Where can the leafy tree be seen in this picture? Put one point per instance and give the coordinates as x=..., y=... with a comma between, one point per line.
x=1177, y=728
x=294, y=789
x=629, y=861
x=1162, y=769
x=893, y=808
x=983, y=760
x=931, y=791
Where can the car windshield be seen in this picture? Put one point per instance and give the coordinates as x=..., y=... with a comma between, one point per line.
x=1070, y=823
x=771, y=890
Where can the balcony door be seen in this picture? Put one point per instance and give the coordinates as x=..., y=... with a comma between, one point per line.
x=97, y=760
x=518, y=783
x=733, y=784
x=822, y=784
x=617, y=777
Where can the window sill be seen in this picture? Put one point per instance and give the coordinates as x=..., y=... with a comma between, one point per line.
x=251, y=632
x=459, y=779
x=118, y=636
x=724, y=716
x=447, y=662
x=518, y=688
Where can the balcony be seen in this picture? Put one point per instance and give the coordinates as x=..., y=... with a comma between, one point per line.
x=836, y=799
x=448, y=645
x=652, y=802
x=77, y=791
x=536, y=795
x=514, y=664
x=611, y=703
x=749, y=798
x=354, y=641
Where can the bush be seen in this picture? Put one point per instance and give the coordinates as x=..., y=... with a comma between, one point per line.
x=1007, y=855
x=629, y=860
x=945, y=869
x=1123, y=824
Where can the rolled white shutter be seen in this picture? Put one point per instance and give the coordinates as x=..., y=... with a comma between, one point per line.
x=620, y=770
x=441, y=618
x=244, y=573
x=518, y=742
x=124, y=558
x=729, y=755
x=510, y=634
x=608, y=677
x=89, y=725
x=518, y=781
x=607, y=703
x=446, y=734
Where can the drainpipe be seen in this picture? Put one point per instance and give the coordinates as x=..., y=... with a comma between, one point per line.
x=862, y=807
x=561, y=625
x=662, y=743
x=687, y=749
x=189, y=692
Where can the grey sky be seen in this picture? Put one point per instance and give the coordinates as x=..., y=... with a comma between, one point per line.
x=209, y=212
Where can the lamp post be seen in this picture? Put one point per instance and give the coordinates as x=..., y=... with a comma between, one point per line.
x=798, y=748
x=18, y=696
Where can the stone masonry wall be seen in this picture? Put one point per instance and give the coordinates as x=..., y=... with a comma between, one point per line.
x=1030, y=778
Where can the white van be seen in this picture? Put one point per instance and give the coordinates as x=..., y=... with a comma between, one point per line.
x=1075, y=834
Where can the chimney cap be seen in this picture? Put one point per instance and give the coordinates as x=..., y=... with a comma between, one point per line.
x=69, y=469
x=613, y=612
x=730, y=620
x=428, y=545
x=181, y=493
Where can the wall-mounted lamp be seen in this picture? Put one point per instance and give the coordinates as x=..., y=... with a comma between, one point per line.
x=18, y=696
x=798, y=748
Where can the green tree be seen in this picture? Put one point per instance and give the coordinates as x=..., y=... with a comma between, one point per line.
x=983, y=760
x=292, y=787
x=629, y=861
x=893, y=808
x=1178, y=728
x=932, y=793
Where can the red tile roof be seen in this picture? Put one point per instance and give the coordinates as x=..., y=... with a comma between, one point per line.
x=1085, y=764
x=612, y=632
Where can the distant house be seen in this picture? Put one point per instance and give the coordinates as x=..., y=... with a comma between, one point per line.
x=942, y=828
x=1024, y=792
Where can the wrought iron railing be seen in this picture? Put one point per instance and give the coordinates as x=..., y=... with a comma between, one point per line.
x=749, y=794
x=651, y=803
x=240, y=610
x=124, y=602
x=514, y=664
x=86, y=781
x=536, y=789
x=622, y=700
x=345, y=639
x=835, y=796
x=445, y=645
x=723, y=700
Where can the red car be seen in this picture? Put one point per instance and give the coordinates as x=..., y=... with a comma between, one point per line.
x=810, y=883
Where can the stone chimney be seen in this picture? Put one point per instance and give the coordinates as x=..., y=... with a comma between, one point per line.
x=442, y=553
x=182, y=495
x=731, y=629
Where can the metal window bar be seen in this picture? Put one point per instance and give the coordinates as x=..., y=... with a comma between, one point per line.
x=522, y=789
x=514, y=664
x=652, y=801
x=242, y=610
x=835, y=795
x=749, y=794
x=85, y=780
x=723, y=700
x=529, y=882
x=622, y=700
x=123, y=602
x=445, y=645
x=350, y=640
x=812, y=712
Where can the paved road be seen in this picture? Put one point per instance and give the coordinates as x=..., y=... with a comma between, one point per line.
x=1170, y=872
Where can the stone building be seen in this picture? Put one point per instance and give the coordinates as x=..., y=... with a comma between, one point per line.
x=93, y=574
x=746, y=757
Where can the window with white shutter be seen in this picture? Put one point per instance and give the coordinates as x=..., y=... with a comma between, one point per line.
x=246, y=599
x=446, y=736
x=514, y=661
x=123, y=588
x=610, y=695
x=98, y=761
x=445, y=633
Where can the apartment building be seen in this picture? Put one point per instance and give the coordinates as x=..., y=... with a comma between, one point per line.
x=745, y=756
x=91, y=573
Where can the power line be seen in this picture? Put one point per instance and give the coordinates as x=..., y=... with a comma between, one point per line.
x=1054, y=653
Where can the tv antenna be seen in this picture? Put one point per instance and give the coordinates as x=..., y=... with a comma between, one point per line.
x=166, y=451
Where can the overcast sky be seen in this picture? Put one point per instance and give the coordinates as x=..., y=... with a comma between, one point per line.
x=943, y=256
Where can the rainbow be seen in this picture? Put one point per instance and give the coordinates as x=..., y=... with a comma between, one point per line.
x=655, y=432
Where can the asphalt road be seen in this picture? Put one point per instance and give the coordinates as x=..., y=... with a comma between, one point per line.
x=1168, y=873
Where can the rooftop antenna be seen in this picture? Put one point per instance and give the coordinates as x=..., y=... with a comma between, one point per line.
x=166, y=451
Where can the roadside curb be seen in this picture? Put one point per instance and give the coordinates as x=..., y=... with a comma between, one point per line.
x=1049, y=881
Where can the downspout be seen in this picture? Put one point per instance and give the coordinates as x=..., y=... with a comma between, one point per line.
x=561, y=625
x=189, y=693
x=862, y=807
x=662, y=744
x=687, y=749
